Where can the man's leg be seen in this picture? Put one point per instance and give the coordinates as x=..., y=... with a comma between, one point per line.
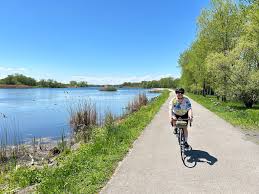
x=185, y=133
x=186, y=137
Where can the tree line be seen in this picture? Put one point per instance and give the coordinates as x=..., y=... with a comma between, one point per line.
x=168, y=82
x=224, y=58
x=19, y=79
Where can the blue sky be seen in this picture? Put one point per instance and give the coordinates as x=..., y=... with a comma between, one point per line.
x=99, y=41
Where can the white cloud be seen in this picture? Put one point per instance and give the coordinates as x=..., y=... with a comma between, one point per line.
x=117, y=79
x=4, y=71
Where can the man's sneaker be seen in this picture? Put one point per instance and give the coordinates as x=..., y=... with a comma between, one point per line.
x=175, y=130
x=186, y=145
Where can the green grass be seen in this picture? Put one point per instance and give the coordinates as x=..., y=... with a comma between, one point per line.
x=233, y=112
x=88, y=169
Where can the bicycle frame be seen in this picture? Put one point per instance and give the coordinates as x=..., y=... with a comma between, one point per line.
x=180, y=125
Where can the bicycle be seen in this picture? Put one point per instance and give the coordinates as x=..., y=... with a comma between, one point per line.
x=180, y=124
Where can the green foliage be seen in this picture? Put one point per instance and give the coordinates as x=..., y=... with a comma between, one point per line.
x=22, y=177
x=78, y=84
x=193, y=71
x=26, y=176
x=220, y=25
x=109, y=122
x=18, y=79
x=168, y=82
x=50, y=83
x=225, y=55
x=236, y=74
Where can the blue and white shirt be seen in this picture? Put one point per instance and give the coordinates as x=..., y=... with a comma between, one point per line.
x=179, y=108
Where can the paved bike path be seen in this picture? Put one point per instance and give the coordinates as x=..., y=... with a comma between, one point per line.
x=226, y=162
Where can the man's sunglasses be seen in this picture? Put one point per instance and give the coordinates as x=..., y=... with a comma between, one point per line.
x=179, y=92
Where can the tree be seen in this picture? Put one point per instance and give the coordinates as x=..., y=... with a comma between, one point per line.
x=225, y=54
x=220, y=27
x=19, y=79
x=82, y=84
x=239, y=71
x=73, y=83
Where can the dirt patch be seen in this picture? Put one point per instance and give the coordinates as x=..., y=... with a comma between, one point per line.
x=38, y=154
x=251, y=136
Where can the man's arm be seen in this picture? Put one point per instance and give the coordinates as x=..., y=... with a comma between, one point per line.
x=171, y=115
x=190, y=114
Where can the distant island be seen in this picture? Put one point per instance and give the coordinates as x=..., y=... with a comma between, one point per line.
x=108, y=88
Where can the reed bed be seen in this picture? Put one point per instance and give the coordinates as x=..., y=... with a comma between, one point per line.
x=139, y=101
x=10, y=140
x=11, y=147
x=109, y=122
x=83, y=118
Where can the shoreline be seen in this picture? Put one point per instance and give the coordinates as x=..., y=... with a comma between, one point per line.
x=6, y=86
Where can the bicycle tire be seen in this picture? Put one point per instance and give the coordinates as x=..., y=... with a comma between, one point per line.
x=184, y=157
x=181, y=135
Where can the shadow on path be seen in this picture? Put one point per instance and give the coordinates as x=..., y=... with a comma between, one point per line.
x=194, y=156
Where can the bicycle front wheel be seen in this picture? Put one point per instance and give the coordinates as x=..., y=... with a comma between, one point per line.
x=182, y=140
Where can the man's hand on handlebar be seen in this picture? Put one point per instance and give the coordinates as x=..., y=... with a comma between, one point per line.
x=173, y=120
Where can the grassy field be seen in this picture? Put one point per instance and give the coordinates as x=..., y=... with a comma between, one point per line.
x=88, y=169
x=234, y=112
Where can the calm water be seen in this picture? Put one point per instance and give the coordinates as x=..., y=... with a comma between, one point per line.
x=45, y=112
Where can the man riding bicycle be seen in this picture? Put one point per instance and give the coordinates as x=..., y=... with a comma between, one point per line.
x=180, y=106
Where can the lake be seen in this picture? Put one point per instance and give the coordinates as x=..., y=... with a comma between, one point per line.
x=44, y=112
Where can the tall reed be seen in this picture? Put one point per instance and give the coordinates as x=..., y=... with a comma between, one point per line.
x=10, y=142
x=3, y=144
x=62, y=143
x=139, y=101
x=109, y=122
x=83, y=118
